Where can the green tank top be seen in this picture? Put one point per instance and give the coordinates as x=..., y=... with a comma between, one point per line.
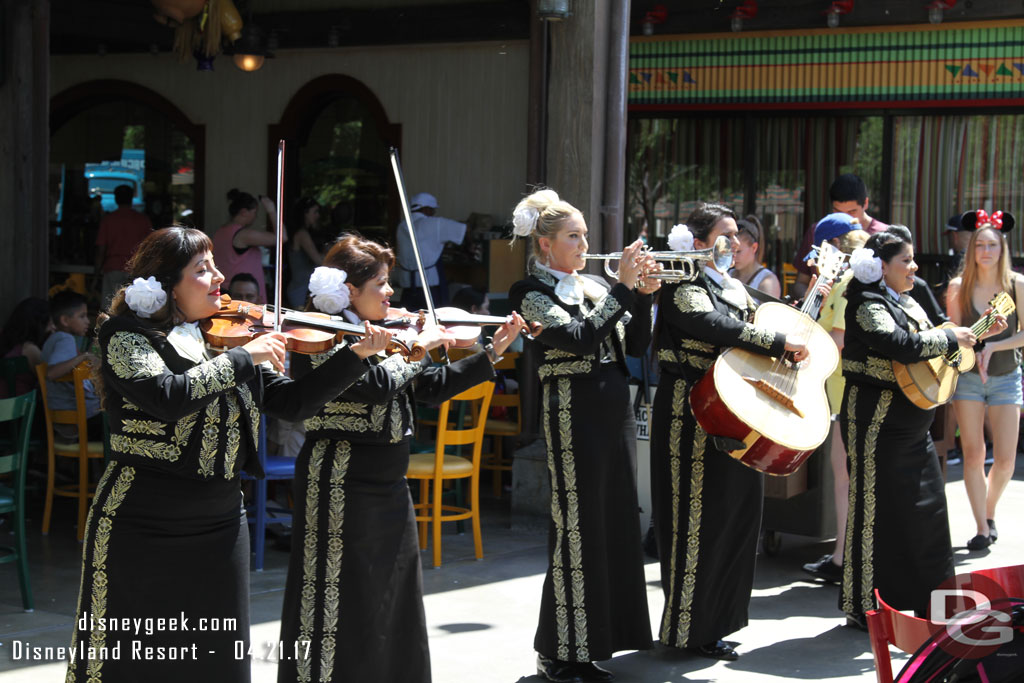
x=1002, y=362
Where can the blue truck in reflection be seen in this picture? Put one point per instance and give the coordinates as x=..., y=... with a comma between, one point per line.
x=103, y=177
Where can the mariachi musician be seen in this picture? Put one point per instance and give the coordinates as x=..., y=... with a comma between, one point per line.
x=594, y=600
x=353, y=604
x=706, y=505
x=897, y=529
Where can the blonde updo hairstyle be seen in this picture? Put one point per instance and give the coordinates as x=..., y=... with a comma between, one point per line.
x=552, y=212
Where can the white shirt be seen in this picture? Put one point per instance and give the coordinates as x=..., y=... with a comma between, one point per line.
x=431, y=234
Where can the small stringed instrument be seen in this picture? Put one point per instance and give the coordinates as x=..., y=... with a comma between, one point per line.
x=930, y=383
x=777, y=408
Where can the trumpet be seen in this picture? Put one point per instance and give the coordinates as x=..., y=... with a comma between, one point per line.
x=689, y=263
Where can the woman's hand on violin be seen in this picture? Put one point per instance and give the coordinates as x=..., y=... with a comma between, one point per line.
x=507, y=333
x=433, y=336
x=631, y=264
x=797, y=346
x=373, y=342
x=268, y=347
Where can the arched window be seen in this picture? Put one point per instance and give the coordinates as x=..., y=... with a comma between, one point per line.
x=338, y=138
x=108, y=133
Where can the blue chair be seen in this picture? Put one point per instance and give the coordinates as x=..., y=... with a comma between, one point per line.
x=19, y=410
x=276, y=467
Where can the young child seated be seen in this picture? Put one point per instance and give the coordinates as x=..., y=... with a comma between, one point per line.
x=62, y=351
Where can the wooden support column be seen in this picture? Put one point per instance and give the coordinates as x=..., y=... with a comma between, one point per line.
x=24, y=150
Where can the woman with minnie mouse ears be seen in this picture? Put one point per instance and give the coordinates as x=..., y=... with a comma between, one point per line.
x=993, y=385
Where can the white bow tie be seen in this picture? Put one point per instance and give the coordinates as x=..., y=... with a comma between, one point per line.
x=570, y=289
x=733, y=292
x=188, y=341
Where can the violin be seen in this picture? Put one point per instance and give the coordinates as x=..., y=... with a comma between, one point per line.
x=239, y=322
x=465, y=327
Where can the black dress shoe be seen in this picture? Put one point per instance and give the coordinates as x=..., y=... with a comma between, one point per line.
x=558, y=671
x=993, y=535
x=719, y=649
x=979, y=542
x=825, y=569
x=592, y=672
x=857, y=621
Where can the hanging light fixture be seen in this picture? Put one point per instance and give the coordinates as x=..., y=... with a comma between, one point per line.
x=249, y=51
x=836, y=9
x=553, y=10
x=746, y=10
x=937, y=10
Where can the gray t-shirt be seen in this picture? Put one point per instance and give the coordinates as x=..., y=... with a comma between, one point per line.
x=60, y=347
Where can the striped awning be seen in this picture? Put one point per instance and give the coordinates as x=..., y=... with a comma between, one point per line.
x=920, y=65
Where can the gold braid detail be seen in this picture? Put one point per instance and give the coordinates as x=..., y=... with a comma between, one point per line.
x=332, y=572
x=557, y=570
x=309, y=541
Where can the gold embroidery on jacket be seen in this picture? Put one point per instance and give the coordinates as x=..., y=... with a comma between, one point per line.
x=557, y=572
x=675, y=432
x=346, y=408
x=101, y=547
x=689, y=583
x=867, y=581
x=128, y=405
x=853, y=460
x=757, y=336
x=150, y=427
x=397, y=426
x=692, y=299
x=318, y=359
x=555, y=354
x=538, y=307
x=234, y=438
x=308, y=595
x=400, y=370
x=210, y=436
x=90, y=532
x=131, y=356
x=576, y=367
x=873, y=316
x=681, y=357
x=211, y=377
x=332, y=571
x=603, y=312
x=697, y=345
x=877, y=368
x=934, y=343
x=572, y=519
x=249, y=405
x=146, y=448
x=183, y=428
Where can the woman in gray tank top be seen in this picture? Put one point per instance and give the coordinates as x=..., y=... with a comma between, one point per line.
x=303, y=256
x=994, y=385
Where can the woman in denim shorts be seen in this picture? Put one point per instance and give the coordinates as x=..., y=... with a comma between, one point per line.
x=994, y=384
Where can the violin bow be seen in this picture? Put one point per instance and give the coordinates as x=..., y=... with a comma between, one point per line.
x=279, y=256
x=407, y=213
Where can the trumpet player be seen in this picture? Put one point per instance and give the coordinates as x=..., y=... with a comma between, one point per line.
x=706, y=505
x=594, y=600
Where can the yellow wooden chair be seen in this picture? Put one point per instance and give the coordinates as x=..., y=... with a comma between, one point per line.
x=440, y=467
x=789, y=274
x=83, y=449
x=499, y=429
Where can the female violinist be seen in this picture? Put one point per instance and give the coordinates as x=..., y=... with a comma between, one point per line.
x=166, y=536
x=353, y=602
x=706, y=505
x=594, y=600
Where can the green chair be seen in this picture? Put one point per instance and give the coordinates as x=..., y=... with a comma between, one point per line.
x=20, y=411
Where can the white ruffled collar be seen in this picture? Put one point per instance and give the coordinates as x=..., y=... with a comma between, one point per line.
x=188, y=341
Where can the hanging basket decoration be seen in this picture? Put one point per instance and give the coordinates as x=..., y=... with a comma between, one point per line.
x=217, y=22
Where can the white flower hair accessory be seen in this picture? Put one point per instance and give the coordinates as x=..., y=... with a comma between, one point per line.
x=327, y=285
x=524, y=220
x=680, y=239
x=145, y=297
x=865, y=265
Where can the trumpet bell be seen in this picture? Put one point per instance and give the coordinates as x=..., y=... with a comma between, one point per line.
x=722, y=254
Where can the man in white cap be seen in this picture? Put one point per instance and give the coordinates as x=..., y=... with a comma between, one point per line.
x=431, y=234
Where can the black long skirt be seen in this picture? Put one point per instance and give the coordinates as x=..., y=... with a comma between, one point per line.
x=165, y=581
x=594, y=600
x=353, y=604
x=707, y=513
x=897, y=529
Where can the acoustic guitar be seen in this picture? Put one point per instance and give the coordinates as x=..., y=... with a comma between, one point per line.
x=930, y=383
x=777, y=408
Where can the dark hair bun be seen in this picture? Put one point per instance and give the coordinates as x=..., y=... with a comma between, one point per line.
x=233, y=194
